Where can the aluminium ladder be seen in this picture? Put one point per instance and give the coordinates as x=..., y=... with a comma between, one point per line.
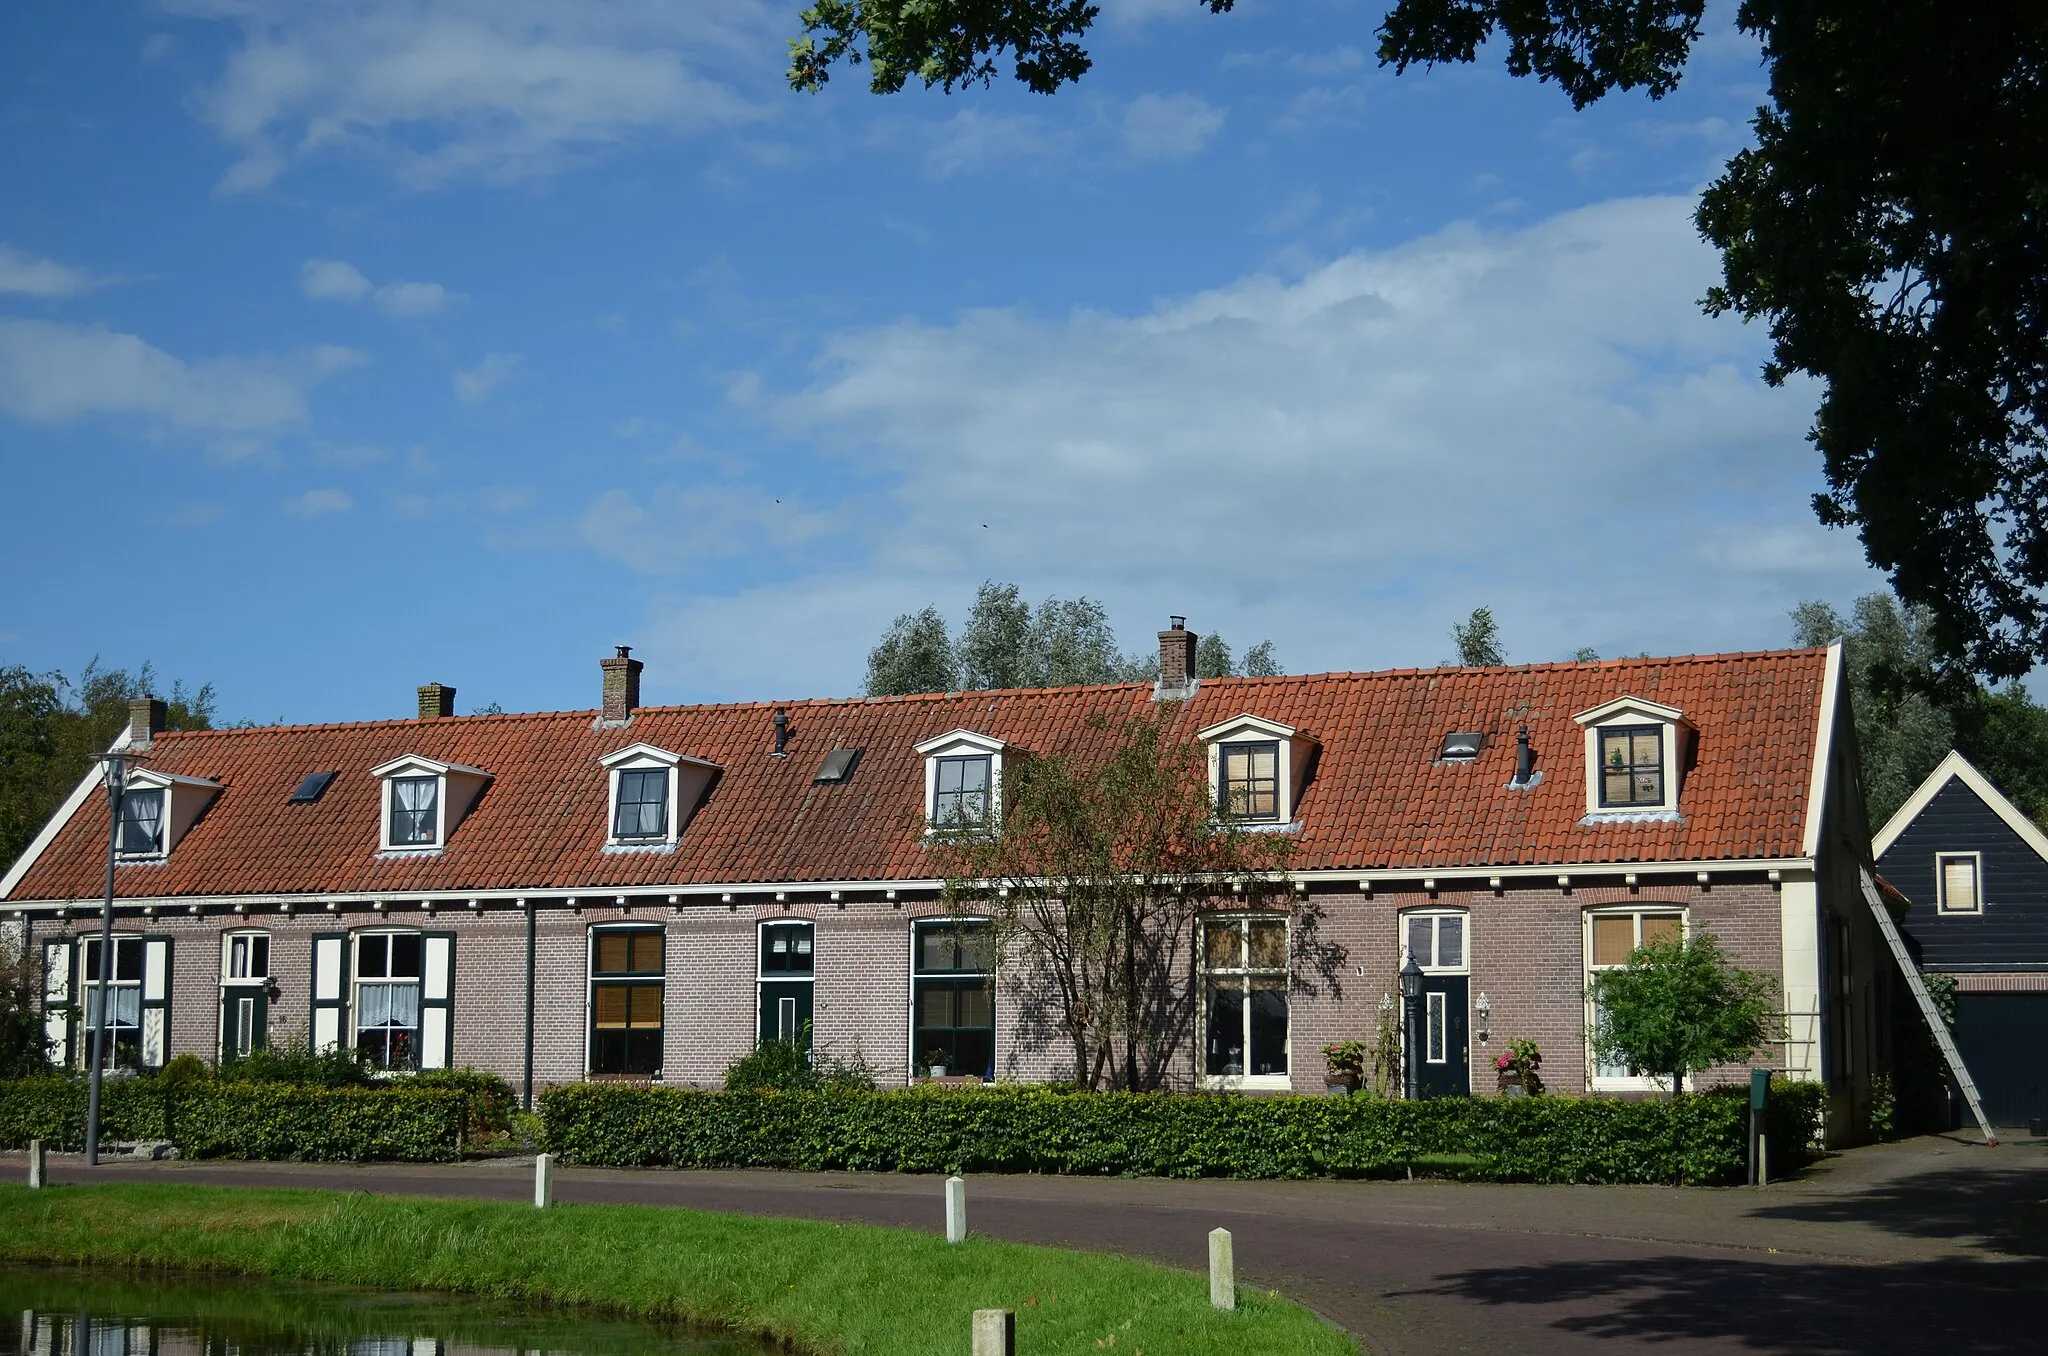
x=1928, y=1013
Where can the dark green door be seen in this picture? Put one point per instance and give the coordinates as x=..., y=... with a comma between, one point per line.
x=244, y=1020
x=2000, y=1037
x=1446, y=1045
x=788, y=960
x=786, y=1011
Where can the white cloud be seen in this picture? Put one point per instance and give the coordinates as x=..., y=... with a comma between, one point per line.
x=677, y=524
x=494, y=89
x=53, y=373
x=414, y=298
x=1169, y=126
x=972, y=139
x=1540, y=420
x=32, y=276
x=474, y=386
x=332, y=280
x=314, y=503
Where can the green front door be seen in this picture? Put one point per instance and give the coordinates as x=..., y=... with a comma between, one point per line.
x=786, y=1011
x=244, y=1020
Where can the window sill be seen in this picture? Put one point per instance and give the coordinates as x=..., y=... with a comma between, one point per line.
x=1258, y=825
x=1658, y=815
x=141, y=858
x=631, y=848
x=388, y=854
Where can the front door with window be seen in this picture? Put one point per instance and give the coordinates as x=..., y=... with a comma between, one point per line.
x=1446, y=1043
x=787, y=965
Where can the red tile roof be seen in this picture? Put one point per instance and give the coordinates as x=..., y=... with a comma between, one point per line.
x=1379, y=798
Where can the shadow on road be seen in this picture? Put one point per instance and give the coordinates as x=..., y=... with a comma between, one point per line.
x=1955, y=1308
x=2000, y=1206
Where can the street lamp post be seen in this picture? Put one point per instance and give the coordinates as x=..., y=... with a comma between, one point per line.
x=117, y=788
x=1411, y=1020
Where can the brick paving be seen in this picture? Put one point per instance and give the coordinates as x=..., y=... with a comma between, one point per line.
x=1931, y=1245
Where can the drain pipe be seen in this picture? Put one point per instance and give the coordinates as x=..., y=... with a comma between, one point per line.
x=526, y=1090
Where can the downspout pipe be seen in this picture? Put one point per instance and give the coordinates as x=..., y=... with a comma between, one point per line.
x=526, y=1088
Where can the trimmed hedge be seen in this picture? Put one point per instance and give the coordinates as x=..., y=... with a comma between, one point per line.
x=300, y=1122
x=1699, y=1139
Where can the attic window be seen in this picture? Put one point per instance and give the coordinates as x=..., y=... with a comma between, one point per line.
x=312, y=788
x=838, y=767
x=1461, y=747
x=1636, y=757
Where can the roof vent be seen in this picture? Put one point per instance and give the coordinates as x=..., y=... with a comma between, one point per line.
x=838, y=766
x=1461, y=747
x=312, y=788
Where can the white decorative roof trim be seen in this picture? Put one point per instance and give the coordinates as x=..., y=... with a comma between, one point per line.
x=1247, y=723
x=635, y=753
x=958, y=738
x=1625, y=706
x=1955, y=767
x=433, y=767
x=1632, y=817
x=149, y=777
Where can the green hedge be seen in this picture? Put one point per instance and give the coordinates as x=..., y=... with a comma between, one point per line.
x=244, y=1120
x=1529, y=1139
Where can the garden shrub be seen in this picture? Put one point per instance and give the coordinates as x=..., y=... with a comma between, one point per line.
x=216, y=1119
x=787, y=1067
x=491, y=1100
x=1534, y=1139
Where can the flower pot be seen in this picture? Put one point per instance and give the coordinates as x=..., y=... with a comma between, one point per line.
x=937, y=1071
x=1347, y=1079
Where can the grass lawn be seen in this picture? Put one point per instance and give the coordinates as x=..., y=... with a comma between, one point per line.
x=820, y=1287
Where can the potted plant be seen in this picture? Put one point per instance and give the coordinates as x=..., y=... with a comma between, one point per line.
x=1515, y=1069
x=935, y=1063
x=1347, y=1065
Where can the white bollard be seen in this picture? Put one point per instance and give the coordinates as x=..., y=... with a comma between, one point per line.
x=1222, y=1271
x=38, y=1169
x=543, y=1181
x=995, y=1331
x=956, y=1213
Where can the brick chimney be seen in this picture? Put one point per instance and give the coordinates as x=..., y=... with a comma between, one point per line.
x=1176, y=662
x=621, y=687
x=146, y=717
x=437, y=701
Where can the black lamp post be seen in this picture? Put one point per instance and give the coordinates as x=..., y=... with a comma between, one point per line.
x=117, y=788
x=1411, y=1020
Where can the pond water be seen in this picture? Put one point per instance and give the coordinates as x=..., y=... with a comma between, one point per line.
x=76, y=1313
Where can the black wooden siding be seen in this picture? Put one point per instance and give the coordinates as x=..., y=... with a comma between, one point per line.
x=2012, y=931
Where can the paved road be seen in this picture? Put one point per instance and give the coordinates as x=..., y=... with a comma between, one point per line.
x=1934, y=1245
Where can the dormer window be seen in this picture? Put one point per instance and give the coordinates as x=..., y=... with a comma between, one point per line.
x=652, y=792
x=1635, y=759
x=963, y=781
x=157, y=808
x=424, y=801
x=1257, y=769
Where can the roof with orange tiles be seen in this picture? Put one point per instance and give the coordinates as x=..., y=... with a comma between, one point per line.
x=1379, y=797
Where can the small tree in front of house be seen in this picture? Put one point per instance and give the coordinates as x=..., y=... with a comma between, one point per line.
x=1678, y=1007
x=1094, y=880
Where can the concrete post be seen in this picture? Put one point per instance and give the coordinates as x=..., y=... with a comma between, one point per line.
x=38, y=1169
x=1222, y=1271
x=543, y=1181
x=956, y=1212
x=995, y=1331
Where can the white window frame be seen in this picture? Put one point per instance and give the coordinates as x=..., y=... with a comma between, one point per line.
x=89, y=984
x=648, y=758
x=163, y=824
x=227, y=941
x=962, y=744
x=355, y=994
x=1435, y=939
x=1245, y=1082
x=445, y=774
x=184, y=800
x=1295, y=750
x=1674, y=730
x=1976, y=860
x=1595, y=1080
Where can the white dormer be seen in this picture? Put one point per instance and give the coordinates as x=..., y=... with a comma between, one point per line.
x=652, y=792
x=963, y=780
x=1256, y=769
x=423, y=801
x=156, y=810
x=1635, y=758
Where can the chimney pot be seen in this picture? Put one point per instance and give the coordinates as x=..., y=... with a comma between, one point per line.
x=437, y=701
x=146, y=719
x=621, y=686
x=1176, y=661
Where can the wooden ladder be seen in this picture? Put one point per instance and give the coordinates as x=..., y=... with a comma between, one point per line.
x=1928, y=1012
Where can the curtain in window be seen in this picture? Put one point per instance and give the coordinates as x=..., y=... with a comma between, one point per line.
x=142, y=817
x=412, y=810
x=390, y=1005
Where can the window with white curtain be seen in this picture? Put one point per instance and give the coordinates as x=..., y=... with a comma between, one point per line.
x=415, y=811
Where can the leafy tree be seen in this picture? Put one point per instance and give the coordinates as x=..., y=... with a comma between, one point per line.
x=996, y=643
x=1095, y=884
x=1886, y=225
x=1912, y=707
x=23, y=1047
x=1585, y=654
x=1071, y=643
x=1677, y=1007
x=51, y=730
x=1213, y=659
x=914, y=655
x=1478, y=640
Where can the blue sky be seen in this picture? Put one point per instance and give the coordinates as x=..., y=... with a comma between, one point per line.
x=346, y=347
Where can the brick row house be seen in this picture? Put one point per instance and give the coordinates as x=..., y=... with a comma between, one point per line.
x=646, y=891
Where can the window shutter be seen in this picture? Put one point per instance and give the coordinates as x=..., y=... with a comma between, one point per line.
x=156, y=1001
x=437, y=1001
x=330, y=992
x=58, y=960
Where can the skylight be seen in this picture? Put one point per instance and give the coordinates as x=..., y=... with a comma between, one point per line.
x=312, y=787
x=838, y=766
x=1461, y=746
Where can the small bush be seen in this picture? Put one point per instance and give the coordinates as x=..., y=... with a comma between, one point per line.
x=183, y=1069
x=288, y=1058
x=1548, y=1139
x=786, y=1066
x=491, y=1102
